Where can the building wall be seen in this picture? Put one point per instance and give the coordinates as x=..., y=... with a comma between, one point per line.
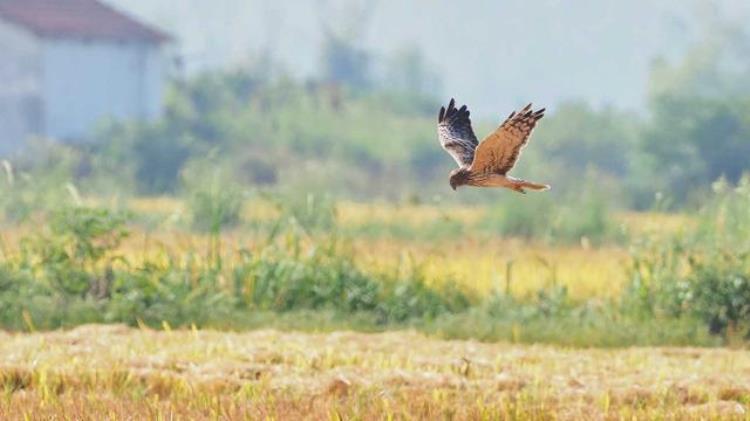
x=20, y=88
x=87, y=82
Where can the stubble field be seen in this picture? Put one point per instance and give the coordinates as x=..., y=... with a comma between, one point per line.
x=116, y=372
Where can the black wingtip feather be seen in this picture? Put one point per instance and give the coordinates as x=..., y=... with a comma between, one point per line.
x=451, y=112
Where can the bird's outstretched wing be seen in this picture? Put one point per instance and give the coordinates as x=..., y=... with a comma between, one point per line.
x=456, y=135
x=499, y=151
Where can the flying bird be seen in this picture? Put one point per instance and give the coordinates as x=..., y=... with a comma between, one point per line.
x=487, y=164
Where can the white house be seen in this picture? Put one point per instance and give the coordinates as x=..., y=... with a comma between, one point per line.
x=67, y=64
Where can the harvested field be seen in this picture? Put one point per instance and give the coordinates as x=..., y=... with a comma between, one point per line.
x=115, y=372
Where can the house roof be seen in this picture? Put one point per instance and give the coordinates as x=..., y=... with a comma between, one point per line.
x=77, y=19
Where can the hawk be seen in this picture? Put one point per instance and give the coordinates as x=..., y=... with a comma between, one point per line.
x=487, y=164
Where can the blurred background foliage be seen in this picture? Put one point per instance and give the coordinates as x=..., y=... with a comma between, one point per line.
x=359, y=133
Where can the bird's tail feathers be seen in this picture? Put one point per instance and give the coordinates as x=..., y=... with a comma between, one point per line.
x=533, y=186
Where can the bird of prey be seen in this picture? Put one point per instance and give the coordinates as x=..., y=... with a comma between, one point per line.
x=487, y=164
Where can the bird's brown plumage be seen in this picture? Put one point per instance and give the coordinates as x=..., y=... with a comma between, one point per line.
x=500, y=150
x=487, y=164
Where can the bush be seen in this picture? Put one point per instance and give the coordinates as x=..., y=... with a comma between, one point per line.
x=719, y=291
x=73, y=259
x=326, y=279
x=704, y=273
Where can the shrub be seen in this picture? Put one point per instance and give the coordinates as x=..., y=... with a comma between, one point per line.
x=718, y=290
x=74, y=257
x=326, y=279
x=703, y=273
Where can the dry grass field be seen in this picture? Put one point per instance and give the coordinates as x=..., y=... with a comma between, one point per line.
x=114, y=372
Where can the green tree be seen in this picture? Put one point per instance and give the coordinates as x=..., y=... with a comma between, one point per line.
x=700, y=117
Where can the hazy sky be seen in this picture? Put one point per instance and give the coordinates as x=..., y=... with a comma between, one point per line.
x=491, y=54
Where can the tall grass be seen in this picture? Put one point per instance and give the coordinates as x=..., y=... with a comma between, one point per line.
x=26, y=192
x=301, y=272
x=213, y=198
x=73, y=274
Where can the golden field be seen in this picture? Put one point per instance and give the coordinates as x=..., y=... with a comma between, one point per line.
x=473, y=261
x=115, y=372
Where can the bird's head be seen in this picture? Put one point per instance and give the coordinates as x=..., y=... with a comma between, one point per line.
x=459, y=177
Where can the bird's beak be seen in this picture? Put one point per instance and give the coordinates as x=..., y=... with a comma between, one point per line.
x=453, y=186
